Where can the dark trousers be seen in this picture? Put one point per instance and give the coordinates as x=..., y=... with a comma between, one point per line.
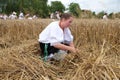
x=50, y=49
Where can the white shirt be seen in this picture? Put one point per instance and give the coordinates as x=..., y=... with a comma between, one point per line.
x=54, y=34
x=12, y=16
x=105, y=17
x=58, y=16
x=21, y=16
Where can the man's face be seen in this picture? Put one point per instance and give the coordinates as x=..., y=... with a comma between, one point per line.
x=68, y=22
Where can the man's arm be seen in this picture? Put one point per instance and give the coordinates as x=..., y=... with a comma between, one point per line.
x=71, y=48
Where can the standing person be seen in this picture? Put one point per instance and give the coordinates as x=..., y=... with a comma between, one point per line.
x=57, y=37
x=21, y=15
x=58, y=15
x=13, y=15
x=105, y=16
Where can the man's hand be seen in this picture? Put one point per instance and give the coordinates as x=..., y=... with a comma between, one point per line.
x=73, y=49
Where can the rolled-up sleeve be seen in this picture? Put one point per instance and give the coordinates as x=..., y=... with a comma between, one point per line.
x=68, y=36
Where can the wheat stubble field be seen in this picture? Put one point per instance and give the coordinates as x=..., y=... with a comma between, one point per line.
x=98, y=58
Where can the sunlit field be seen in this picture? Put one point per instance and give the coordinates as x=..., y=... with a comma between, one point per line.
x=98, y=58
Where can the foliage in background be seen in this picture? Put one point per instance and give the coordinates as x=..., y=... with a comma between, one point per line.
x=100, y=14
x=87, y=14
x=42, y=9
x=57, y=6
x=75, y=9
x=38, y=7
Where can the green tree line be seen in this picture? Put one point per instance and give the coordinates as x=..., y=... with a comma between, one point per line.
x=38, y=7
x=43, y=10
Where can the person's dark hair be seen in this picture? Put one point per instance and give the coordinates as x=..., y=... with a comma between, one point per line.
x=65, y=16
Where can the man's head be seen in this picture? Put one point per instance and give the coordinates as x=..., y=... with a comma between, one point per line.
x=66, y=19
